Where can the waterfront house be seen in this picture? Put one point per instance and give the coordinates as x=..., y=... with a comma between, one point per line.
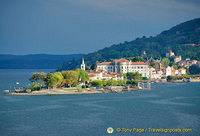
x=102, y=74
x=123, y=66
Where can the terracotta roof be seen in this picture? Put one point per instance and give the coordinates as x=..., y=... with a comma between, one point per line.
x=181, y=69
x=163, y=67
x=139, y=63
x=119, y=75
x=92, y=75
x=100, y=70
x=105, y=63
x=194, y=60
x=107, y=75
x=112, y=73
x=121, y=60
x=115, y=74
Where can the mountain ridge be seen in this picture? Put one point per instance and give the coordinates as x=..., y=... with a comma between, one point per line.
x=35, y=61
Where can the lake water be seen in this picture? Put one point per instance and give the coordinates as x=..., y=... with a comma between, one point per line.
x=9, y=77
x=166, y=106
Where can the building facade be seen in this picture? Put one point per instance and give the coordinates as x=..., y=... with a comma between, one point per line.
x=101, y=75
x=123, y=66
x=170, y=54
x=177, y=59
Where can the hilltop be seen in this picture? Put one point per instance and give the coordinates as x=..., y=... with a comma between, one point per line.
x=183, y=39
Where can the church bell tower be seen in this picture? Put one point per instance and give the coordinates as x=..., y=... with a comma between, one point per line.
x=83, y=64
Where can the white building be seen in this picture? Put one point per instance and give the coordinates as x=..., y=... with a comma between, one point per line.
x=170, y=53
x=177, y=59
x=83, y=64
x=123, y=66
x=101, y=74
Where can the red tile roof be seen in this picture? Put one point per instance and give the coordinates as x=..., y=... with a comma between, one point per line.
x=121, y=60
x=181, y=69
x=92, y=75
x=107, y=75
x=100, y=70
x=115, y=74
x=139, y=63
x=194, y=60
x=105, y=63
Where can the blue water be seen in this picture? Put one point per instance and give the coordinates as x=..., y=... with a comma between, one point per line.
x=170, y=105
x=9, y=77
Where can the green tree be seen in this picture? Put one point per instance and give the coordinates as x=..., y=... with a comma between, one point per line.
x=38, y=78
x=121, y=82
x=93, y=66
x=82, y=75
x=138, y=59
x=131, y=82
x=134, y=76
x=54, y=79
x=111, y=82
x=194, y=69
x=175, y=67
x=97, y=83
x=165, y=62
x=171, y=63
x=155, y=65
x=70, y=78
x=35, y=87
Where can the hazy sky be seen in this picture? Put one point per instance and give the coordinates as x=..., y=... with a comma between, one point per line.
x=83, y=26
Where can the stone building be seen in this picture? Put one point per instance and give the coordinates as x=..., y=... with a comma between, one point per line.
x=123, y=66
x=170, y=54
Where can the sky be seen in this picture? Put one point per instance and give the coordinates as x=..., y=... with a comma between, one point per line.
x=85, y=26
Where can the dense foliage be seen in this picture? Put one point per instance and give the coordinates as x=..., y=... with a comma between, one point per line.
x=194, y=69
x=134, y=76
x=110, y=82
x=57, y=79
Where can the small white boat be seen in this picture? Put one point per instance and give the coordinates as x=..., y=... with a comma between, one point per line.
x=6, y=91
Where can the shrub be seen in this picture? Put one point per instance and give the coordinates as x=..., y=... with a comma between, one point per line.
x=97, y=83
x=132, y=82
x=144, y=78
x=28, y=90
x=83, y=86
x=35, y=87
